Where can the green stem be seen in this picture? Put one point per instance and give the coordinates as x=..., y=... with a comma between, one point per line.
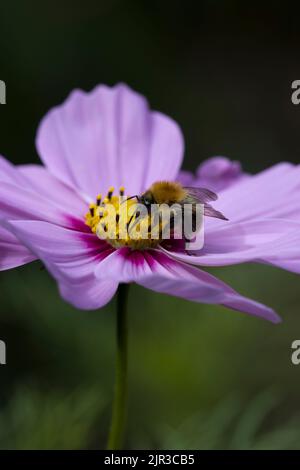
x=119, y=410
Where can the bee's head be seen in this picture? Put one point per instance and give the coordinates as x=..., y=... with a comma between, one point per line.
x=147, y=199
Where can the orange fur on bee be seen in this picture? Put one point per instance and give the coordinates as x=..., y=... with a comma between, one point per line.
x=167, y=192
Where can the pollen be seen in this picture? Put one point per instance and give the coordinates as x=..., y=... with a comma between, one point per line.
x=114, y=219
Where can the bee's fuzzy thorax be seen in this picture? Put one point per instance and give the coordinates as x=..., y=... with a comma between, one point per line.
x=167, y=192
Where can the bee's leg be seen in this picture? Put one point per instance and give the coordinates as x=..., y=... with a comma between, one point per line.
x=128, y=223
x=132, y=223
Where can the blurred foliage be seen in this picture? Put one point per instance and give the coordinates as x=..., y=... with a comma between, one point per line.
x=223, y=72
x=232, y=425
x=35, y=420
x=186, y=360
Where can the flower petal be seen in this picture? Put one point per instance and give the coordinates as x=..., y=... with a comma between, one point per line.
x=29, y=191
x=89, y=295
x=156, y=271
x=186, y=178
x=71, y=257
x=39, y=188
x=264, y=220
x=286, y=253
x=261, y=240
x=19, y=203
x=12, y=253
x=66, y=198
x=109, y=137
x=218, y=173
x=9, y=173
x=274, y=192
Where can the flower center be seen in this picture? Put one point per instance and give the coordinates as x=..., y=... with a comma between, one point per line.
x=113, y=219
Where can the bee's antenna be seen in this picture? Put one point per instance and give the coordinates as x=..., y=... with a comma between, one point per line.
x=131, y=197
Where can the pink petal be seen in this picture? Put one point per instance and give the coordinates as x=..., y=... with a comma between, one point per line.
x=39, y=179
x=71, y=257
x=272, y=193
x=292, y=265
x=286, y=253
x=89, y=295
x=36, y=178
x=218, y=173
x=264, y=219
x=261, y=240
x=156, y=271
x=109, y=137
x=186, y=178
x=19, y=203
x=9, y=173
x=31, y=192
x=12, y=253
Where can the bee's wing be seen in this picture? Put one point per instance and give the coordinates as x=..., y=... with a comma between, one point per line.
x=204, y=196
x=201, y=194
x=209, y=211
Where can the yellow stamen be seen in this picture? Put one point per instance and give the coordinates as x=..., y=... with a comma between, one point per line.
x=114, y=221
x=92, y=209
x=110, y=192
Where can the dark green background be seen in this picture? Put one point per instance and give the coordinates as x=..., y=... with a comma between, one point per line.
x=200, y=376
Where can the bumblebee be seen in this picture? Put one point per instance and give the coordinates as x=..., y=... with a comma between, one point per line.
x=174, y=194
x=166, y=211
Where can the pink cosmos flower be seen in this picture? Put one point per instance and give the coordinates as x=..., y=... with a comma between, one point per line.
x=110, y=137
